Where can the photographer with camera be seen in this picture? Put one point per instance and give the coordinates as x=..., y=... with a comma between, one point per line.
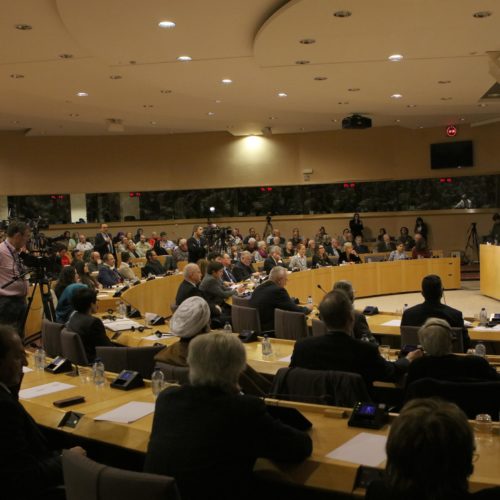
x=13, y=286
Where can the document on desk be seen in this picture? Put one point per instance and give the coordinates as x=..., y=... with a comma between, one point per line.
x=42, y=390
x=363, y=449
x=286, y=359
x=156, y=337
x=392, y=322
x=127, y=413
x=495, y=328
x=26, y=369
x=120, y=324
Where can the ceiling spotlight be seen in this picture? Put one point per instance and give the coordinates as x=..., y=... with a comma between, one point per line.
x=302, y=61
x=184, y=58
x=272, y=118
x=165, y=91
x=152, y=123
x=116, y=77
x=342, y=13
x=396, y=96
x=16, y=75
x=482, y=13
x=282, y=94
x=444, y=82
x=395, y=57
x=210, y=113
x=24, y=27
x=307, y=41
x=66, y=56
x=354, y=89
x=411, y=106
x=397, y=120
x=446, y=98
x=218, y=101
x=166, y=24
x=82, y=94
x=320, y=78
x=334, y=120
x=226, y=81
x=482, y=105
x=420, y=126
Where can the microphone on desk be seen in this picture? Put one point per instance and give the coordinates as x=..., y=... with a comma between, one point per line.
x=322, y=289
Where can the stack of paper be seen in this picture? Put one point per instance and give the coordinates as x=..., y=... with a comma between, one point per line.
x=42, y=390
x=364, y=449
x=120, y=324
x=127, y=413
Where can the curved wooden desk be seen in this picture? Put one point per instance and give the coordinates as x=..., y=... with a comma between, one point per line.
x=489, y=256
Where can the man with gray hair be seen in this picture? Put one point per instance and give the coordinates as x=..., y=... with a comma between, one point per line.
x=180, y=252
x=243, y=269
x=272, y=295
x=274, y=259
x=197, y=432
x=360, y=326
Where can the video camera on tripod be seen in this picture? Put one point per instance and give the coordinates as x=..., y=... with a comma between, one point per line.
x=218, y=238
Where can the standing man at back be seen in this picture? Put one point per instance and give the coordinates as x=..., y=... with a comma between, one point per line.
x=103, y=243
x=432, y=290
x=196, y=245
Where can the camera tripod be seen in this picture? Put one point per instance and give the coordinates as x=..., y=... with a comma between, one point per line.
x=472, y=243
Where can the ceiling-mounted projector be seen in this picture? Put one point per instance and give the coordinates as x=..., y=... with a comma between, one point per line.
x=356, y=121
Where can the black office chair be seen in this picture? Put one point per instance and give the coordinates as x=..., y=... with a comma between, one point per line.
x=72, y=347
x=289, y=325
x=51, y=338
x=245, y=318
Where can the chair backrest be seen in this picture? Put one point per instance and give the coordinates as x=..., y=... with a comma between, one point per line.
x=318, y=328
x=319, y=387
x=139, y=359
x=88, y=480
x=472, y=397
x=240, y=301
x=51, y=338
x=409, y=336
x=172, y=373
x=289, y=325
x=245, y=318
x=72, y=347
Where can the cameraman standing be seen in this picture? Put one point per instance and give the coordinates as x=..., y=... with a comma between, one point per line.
x=13, y=297
x=196, y=245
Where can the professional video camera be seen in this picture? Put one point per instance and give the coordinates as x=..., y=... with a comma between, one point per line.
x=218, y=238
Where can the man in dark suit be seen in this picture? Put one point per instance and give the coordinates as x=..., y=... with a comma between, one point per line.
x=243, y=269
x=432, y=290
x=103, y=242
x=274, y=259
x=108, y=275
x=227, y=275
x=337, y=350
x=272, y=295
x=153, y=265
x=29, y=467
x=90, y=328
x=196, y=245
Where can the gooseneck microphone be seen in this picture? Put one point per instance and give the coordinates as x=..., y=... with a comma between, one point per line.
x=322, y=289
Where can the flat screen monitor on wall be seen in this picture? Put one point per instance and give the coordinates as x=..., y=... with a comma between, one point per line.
x=452, y=154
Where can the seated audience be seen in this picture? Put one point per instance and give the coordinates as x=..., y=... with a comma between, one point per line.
x=432, y=291
x=275, y=234
x=404, y=236
x=197, y=429
x=335, y=248
x=138, y=234
x=438, y=362
x=311, y=249
x=29, y=466
x=84, y=245
x=295, y=239
x=359, y=246
x=67, y=277
x=320, y=258
x=64, y=306
x=125, y=269
x=251, y=246
x=95, y=262
x=142, y=246
x=189, y=287
x=338, y=350
x=76, y=255
x=399, y=253
x=299, y=261
x=272, y=295
x=132, y=250
x=251, y=234
x=153, y=266
x=154, y=239
x=261, y=254
x=321, y=236
x=82, y=269
x=420, y=250
x=274, y=259
x=381, y=233
x=163, y=245
x=346, y=234
x=122, y=245
x=213, y=288
x=349, y=255
x=289, y=251
x=385, y=245
x=243, y=269
x=430, y=452
x=227, y=274
x=90, y=329
x=360, y=325
x=180, y=252
x=108, y=275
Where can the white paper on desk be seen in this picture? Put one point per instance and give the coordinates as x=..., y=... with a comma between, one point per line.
x=42, y=390
x=127, y=413
x=363, y=449
x=26, y=369
x=392, y=322
x=496, y=328
x=467, y=324
x=286, y=359
x=120, y=325
x=155, y=337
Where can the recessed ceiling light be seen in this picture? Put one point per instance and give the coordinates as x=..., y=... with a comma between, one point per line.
x=353, y=89
x=74, y=115
x=226, y=81
x=166, y=24
x=302, y=61
x=66, y=56
x=282, y=94
x=420, y=126
x=116, y=77
x=24, y=27
x=462, y=119
x=342, y=13
x=272, y=118
x=307, y=41
x=148, y=106
x=165, y=91
x=184, y=58
x=446, y=98
x=334, y=120
x=444, y=82
x=482, y=13
x=411, y=106
x=396, y=96
x=395, y=57
x=482, y=105
x=82, y=94
x=320, y=78
x=397, y=120
x=210, y=113
x=152, y=123
x=302, y=129
x=16, y=75
x=218, y=101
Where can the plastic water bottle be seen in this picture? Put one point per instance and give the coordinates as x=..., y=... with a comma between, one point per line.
x=480, y=349
x=309, y=300
x=39, y=360
x=483, y=317
x=122, y=309
x=98, y=373
x=267, y=348
x=228, y=328
x=157, y=382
